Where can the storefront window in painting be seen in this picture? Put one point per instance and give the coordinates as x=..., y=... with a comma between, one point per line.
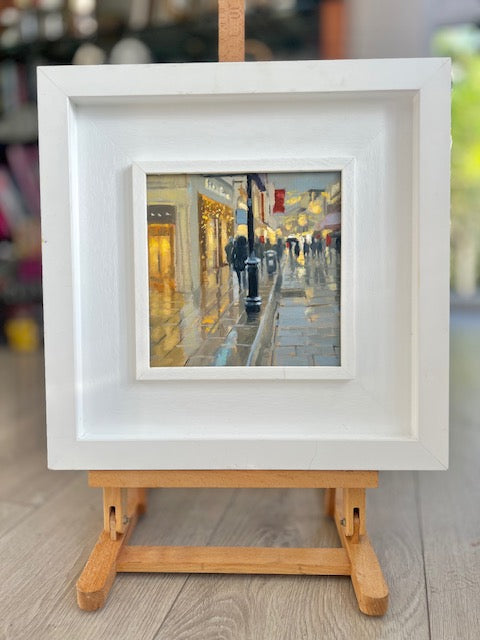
x=244, y=269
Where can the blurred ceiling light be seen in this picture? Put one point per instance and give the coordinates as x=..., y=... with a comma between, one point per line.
x=82, y=7
x=53, y=26
x=50, y=5
x=130, y=51
x=85, y=25
x=89, y=53
x=9, y=17
x=139, y=14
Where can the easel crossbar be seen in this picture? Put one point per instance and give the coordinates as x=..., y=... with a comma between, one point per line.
x=239, y=560
x=233, y=478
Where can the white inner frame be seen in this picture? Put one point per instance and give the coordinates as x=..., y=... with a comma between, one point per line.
x=390, y=410
x=144, y=371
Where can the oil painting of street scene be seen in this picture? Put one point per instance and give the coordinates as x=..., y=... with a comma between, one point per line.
x=244, y=269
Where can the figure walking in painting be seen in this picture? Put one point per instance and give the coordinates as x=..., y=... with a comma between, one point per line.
x=239, y=257
x=229, y=251
x=297, y=248
x=306, y=248
x=328, y=249
x=279, y=249
x=258, y=248
x=320, y=246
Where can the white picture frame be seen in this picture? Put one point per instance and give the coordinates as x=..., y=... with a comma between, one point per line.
x=385, y=124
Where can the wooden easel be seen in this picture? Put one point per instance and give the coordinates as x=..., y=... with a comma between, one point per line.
x=124, y=495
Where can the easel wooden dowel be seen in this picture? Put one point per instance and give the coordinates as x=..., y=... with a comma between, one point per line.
x=124, y=495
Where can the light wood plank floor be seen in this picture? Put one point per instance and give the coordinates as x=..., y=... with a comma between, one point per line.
x=425, y=528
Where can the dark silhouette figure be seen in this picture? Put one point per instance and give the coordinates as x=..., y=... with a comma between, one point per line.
x=279, y=248
x=229, y=251
x=258, y=247
x=239, y=256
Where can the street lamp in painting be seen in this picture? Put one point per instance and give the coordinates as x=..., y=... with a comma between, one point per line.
x=253, y=301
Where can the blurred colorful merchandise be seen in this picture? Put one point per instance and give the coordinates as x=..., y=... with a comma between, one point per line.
x=22, y=334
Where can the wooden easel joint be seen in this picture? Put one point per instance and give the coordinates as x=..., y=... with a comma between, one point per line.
x=354, y=508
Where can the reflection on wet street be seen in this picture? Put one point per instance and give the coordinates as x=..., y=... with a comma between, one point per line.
x=208, y=327
x=307, y=325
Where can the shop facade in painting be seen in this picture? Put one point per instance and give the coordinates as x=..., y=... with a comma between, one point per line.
x=198, y=281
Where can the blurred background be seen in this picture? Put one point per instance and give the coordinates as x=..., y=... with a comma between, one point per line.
x=429, y=542
x=42, y=32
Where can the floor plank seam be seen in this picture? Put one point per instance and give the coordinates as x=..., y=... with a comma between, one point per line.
x=36, y=507
x=416, y=483
x=50, y=496
x=210, y=537
x=187, y=577
x=221, y=518
x=17, y=522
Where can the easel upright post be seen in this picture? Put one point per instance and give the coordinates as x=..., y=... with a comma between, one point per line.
x=231, y=30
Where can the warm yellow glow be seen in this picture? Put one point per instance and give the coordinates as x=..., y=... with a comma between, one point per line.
x=293, y=200
x=315, y=206
x=161, y=255
x=303, y=220
x=272, y=236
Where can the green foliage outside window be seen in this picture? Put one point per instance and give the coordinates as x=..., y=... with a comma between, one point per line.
x=462, y=44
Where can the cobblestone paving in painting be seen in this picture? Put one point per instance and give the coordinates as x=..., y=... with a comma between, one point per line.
x=307, y=326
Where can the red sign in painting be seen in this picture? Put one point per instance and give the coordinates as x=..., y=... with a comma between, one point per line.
x=279, y=206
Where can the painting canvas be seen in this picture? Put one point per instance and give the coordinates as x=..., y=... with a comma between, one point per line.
x=244, y=269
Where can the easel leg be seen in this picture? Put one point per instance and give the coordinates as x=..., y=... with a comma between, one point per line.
x=329, y=502
x=121, y=509
x=368, y=582
x=141, y=499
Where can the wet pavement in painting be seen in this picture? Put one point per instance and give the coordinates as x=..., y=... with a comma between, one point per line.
x=307, y=319
x=209, y=327
x=299, y=324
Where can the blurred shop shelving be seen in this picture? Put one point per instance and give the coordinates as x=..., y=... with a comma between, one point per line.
x=43, y=32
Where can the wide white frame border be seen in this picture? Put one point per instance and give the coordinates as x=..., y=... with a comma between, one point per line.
x=426, y=447
x=144, y=371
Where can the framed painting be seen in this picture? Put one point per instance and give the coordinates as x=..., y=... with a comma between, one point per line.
x=246, y=265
